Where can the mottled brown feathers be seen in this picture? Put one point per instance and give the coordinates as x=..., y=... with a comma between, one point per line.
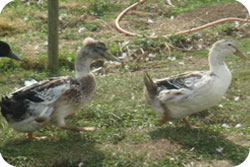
x=54, y=82
x=179, y=81
x=150, y=85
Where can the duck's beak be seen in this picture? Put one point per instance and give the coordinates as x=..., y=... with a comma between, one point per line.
x=13, y=56
x=240, y=54
x=109, y=56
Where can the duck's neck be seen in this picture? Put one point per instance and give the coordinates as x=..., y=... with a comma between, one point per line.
x=82, y=66
x=220, y=70
x=217, y=63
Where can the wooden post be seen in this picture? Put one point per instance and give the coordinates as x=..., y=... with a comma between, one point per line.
x=53, y=35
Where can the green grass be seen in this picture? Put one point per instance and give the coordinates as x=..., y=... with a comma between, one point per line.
x=127, y=134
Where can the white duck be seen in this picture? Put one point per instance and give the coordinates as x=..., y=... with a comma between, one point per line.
x=51, y=101
x=178, y=96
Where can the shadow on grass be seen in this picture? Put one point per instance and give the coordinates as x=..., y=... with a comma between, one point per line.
x=204, y=142
x=68, y=151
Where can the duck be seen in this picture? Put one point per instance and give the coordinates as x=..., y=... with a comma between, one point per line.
x=50, y=101
x=178, y=96
x=5, y=51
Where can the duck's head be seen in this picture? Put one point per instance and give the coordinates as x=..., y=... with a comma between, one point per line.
x=227, y=47
x=90, y=50
x=93, y=49
x=5, y=51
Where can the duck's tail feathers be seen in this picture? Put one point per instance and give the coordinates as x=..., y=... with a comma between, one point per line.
x=5, y=104
x=11, y=107
x=150, y=85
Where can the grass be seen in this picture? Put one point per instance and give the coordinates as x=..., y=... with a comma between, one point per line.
x=126, y=133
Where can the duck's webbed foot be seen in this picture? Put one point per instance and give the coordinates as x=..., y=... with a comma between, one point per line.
x=31, y=136
x=189, y=124
x=163, y=120
x=78, y=129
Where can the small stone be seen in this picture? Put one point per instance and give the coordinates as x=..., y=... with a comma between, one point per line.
x=238, y=125
x=81, y=29
x=225, y=125
x=221, y=105
x=172, y=58
x=81, y=164
x=150, y=21
x=236, y=98
x=219, y=149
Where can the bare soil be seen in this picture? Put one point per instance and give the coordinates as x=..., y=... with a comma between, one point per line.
x=164, y=25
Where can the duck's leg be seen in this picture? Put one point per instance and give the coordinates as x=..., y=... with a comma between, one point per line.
x=189, y=124
x=78, y=129
x=61, y=123
x=166, y=115
x=31, y=136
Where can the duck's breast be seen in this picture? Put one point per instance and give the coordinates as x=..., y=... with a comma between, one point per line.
x=73, y=99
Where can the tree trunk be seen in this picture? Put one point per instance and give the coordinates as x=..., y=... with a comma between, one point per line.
x=53, y=35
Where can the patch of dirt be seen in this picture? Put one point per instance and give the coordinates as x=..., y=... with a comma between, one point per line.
x=153, y=150
x=240, y=140
x=235, y=138
x=156, y=149
x=207, y=14
x=149, y=21
x=186, y=20
x=217, y=12
x=72, y=5
x=7, y=25
x=219, y=163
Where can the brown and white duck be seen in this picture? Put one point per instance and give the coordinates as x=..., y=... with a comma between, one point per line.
x=178, y=96
x=51, y=101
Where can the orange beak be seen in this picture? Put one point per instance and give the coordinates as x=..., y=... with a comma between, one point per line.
x=240, y=54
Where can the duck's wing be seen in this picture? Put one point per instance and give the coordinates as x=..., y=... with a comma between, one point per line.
x=181, y=86
x=35, y=101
